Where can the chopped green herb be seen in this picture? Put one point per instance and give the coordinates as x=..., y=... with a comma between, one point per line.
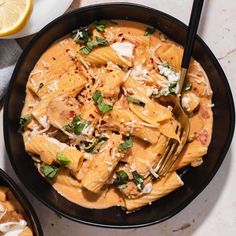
x=126, y=145
x=90, y=45
x=77, y=125
x=103, y=107
x=101, y=25
x=63, y=159
x=100, y=28
x=24, y=121
x=138, y=179
x=121, y=178
x=102, y=41
x=149, y=30
x=94, y=146
x=50, y=171
x=85, y=50
x=187, y=86
x=40, y=86
x=135, y=101
x=76, y=120
x=81, y=36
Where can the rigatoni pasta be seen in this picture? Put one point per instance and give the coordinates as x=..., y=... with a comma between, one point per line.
x=96, y=121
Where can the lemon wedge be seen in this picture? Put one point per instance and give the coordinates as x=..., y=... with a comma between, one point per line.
x=14, y=15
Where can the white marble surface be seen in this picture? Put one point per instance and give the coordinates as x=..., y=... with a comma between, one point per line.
x=213, y=212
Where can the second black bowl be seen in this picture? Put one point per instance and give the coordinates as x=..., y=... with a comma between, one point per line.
x=32, y=218
x=195, y=180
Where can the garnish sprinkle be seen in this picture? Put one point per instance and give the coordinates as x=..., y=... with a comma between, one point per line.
x=135, y=101
x=90, y=45
x=103, y=107
x=24, y=121
x=63, y=159
x=121, y=179
x=149, y=30
x=77, y=125
x=94, y=146
x=187, y=86
x=138, y=179
x=81, y=36
x=40, y=86
x=126, y=145
x=50, y=171
x=101, y=25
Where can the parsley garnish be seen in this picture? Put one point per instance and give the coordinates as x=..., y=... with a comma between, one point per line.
x=81, y=36
x=121, y=179
x=135, y=101
x=24, y=121
x=94, y=146
x=187, y=86
x=149, y=30
x=50, y=171
x=90, y=45
x=40, y=86
x=126, y=145
x=63, y=159
x=77, y=125
x=138, y=179
x=101, y=25
x=103, y=107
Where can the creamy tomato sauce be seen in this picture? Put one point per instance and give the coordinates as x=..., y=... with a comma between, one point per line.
x=136, y=53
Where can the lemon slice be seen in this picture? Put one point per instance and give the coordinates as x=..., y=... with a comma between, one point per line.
x=14, y=15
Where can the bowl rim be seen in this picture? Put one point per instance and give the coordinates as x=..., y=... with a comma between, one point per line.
x=24, y=202
x=147, y=9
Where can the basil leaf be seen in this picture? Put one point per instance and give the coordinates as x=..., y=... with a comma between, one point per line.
x=63, y=159
x=138, y=179
x=102, y=41
x=187, y=86
x=149, y=30
x=100, y=28
x=78, y=129
x=121, y=178
x=126, y=145
x=103, y=107
x=94, y=146
x=24, y=121
x=90, y=45
x=81, y=36
x=75, y=120
x=77, y=125
x=49, y=171
x=85, y=50
x=135, y=101
x=40, y=86
x=101, y=25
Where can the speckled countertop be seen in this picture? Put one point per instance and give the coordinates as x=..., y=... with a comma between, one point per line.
x=213, y=212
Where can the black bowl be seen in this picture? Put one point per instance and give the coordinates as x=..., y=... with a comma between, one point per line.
x=195, y=180
x=32, y=218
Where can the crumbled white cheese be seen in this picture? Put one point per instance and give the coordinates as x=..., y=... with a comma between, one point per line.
x=53, y=87
x=170, y=74
x=43, y=120
x=147, y=188
x=123, y=49
x=139, y=71
x=88, y=130
x=152, y=91
x=2, y=211
x=58, y=143
x=185, y=102
x=13, y=228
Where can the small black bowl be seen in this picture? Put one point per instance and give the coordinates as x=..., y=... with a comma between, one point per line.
x=195, y=180
x=32, y=218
